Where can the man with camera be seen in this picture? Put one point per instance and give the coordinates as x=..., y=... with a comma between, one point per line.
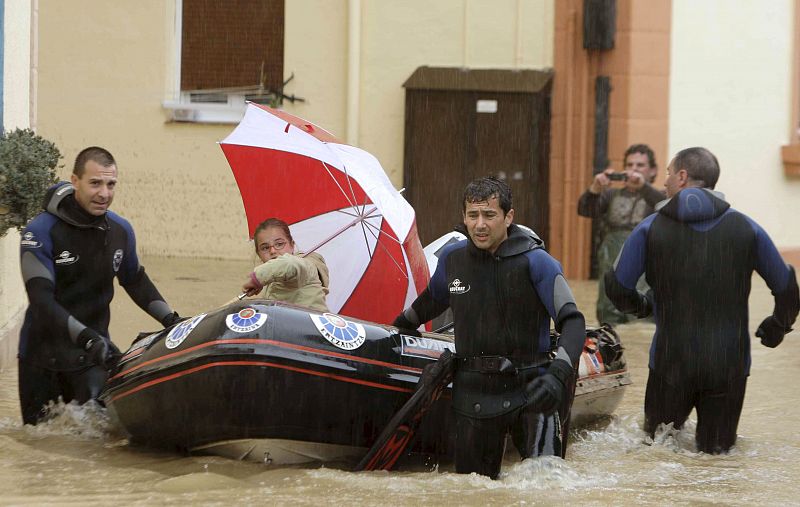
x=621, y=200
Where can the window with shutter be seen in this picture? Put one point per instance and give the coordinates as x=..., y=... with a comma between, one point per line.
x=229, y=52
x=232, y=44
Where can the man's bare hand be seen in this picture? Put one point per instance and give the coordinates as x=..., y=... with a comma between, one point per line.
x=601, y=181
x=635, y=180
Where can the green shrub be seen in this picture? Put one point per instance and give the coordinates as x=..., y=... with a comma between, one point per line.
x=27, y=170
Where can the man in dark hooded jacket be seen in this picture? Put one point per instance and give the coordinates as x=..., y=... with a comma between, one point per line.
x=504, y=289
x=70, y=254
x=698, y=255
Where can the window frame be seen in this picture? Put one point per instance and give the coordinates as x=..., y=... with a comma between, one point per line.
x=181, y=107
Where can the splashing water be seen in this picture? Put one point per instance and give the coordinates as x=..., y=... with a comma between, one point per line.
x=76, y=457
x=89, y=421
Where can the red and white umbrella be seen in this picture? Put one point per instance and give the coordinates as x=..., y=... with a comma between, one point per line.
x=338, y=202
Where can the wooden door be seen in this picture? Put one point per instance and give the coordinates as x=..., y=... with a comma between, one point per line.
x=453, y=137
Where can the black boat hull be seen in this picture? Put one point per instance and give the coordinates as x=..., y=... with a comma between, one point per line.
x=283, y=380
x=272, y=382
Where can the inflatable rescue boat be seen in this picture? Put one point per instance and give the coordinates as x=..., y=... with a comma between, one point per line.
x=266, y=381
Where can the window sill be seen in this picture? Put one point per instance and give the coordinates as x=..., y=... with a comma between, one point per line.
x=790, y=154
x=182, y=112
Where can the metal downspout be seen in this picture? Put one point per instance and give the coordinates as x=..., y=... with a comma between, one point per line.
x=353, y=69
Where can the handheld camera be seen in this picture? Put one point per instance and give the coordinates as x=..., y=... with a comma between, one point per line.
x=618, y=177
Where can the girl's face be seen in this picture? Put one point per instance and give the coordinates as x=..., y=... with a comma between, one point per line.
x=271, y=243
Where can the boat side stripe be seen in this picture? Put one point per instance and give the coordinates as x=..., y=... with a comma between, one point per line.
x=258, y=363
x=256, y=341
x=343, y=356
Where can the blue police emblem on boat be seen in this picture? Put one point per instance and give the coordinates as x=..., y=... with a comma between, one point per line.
x=245, y=320
x=340, y=332
x=179, y=333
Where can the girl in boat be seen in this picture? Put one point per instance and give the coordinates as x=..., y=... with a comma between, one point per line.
x=286, y=274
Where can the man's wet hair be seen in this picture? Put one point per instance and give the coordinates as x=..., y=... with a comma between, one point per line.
x=483, y=189
x=700, y=165
x=644, y=150
x=95, y=154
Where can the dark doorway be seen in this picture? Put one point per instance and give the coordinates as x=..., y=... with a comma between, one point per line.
x=463, y=124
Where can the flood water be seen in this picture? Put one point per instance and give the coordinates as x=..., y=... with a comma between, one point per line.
x=81, y=458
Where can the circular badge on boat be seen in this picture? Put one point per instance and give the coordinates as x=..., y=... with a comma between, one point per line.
x=245, y=320
x=179, y=333
x=340, y=332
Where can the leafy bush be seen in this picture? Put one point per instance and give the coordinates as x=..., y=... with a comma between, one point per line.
x=27, y=170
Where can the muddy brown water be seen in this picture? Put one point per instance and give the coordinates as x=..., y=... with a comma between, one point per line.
x=79, y=457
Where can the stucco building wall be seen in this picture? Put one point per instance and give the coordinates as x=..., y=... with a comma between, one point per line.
x=730, y=91
x=103, y=78
x=725, y=84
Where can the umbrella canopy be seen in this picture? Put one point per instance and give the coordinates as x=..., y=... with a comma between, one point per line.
x=338, y=202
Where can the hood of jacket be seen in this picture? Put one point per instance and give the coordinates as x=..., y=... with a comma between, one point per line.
x=322, y=268
x=694, y=205
x=520, y=239
x=59, y=200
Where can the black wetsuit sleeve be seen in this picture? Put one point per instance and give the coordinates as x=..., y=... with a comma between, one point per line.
x=554, y=292
x=38, y=273
x=571, y=326
x=422, y=310
x=620, y=281
x=434, y=299
x=41, y=295
x=787, y=302
x=626, y=300
x=145, y=294
x=593, y=205
x=137, y=284
x=780, y=278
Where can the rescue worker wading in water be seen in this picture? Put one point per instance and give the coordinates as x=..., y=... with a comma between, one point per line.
x=504, y=289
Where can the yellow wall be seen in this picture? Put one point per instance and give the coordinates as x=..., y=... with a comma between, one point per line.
x=730, y=91
x=103, y=78
x=16, y=114
x=315, y=50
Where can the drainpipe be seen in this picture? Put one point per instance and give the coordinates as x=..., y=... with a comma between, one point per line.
x=33, y=85
x=353, y=69
x=569, y=146
x=518, y=29
x=464, y=34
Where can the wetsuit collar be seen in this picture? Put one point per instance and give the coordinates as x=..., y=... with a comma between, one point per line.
x=60, y=201
x=520, y=240
x=694, y=205
x=663, y=203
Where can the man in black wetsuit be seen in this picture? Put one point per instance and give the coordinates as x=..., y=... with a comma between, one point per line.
x=698, y=255
x=70, y=254
x=504, y=289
